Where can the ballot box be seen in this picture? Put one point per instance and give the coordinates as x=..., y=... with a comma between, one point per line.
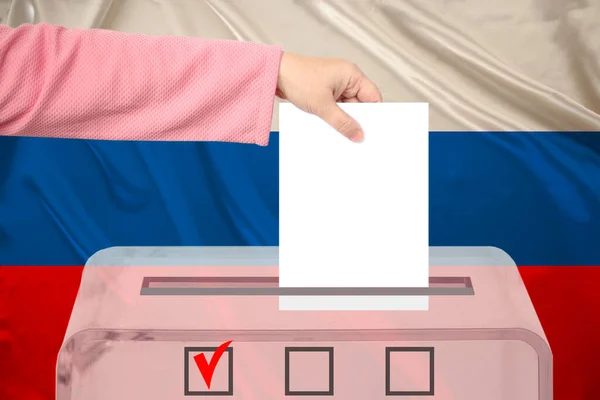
x=204, y=322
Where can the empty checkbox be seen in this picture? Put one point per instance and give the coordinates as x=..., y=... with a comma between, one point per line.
x=409, y=371
x=309, y=371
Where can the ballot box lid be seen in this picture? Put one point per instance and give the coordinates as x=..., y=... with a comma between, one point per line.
x=489, y=294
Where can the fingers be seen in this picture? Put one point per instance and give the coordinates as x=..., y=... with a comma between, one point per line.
x=342, y=122
x=368, y=92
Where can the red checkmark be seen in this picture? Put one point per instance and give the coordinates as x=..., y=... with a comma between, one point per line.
x=208, y=369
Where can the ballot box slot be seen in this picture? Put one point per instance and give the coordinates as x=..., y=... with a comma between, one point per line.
x=211, y=282
x=269, y=286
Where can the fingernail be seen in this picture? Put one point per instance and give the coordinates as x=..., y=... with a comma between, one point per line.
x=358, y=137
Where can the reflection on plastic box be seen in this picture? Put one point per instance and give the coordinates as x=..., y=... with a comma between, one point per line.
x=142, y=315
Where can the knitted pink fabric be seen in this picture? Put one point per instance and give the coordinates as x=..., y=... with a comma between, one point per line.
x=99, y=84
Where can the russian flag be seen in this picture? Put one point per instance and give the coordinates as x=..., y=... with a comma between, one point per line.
x=514, y=162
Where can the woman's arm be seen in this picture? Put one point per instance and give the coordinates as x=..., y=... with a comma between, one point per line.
x=99, y=84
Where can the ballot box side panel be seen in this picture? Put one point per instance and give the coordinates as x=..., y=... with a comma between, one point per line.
x=469, y=369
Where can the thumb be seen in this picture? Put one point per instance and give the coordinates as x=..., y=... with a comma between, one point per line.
x=342, y=122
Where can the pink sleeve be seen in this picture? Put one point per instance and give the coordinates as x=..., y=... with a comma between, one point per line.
x=99, y=84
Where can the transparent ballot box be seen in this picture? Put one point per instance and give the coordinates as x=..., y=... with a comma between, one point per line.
x=155, y=323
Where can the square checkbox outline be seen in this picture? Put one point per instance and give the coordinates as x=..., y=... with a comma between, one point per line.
x=186, y=372
x=288, y=351
x=388, y=353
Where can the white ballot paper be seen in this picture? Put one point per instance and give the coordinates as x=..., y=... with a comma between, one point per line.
x=354, y=215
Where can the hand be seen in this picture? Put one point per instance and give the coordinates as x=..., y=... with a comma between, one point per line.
x=315, y=85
